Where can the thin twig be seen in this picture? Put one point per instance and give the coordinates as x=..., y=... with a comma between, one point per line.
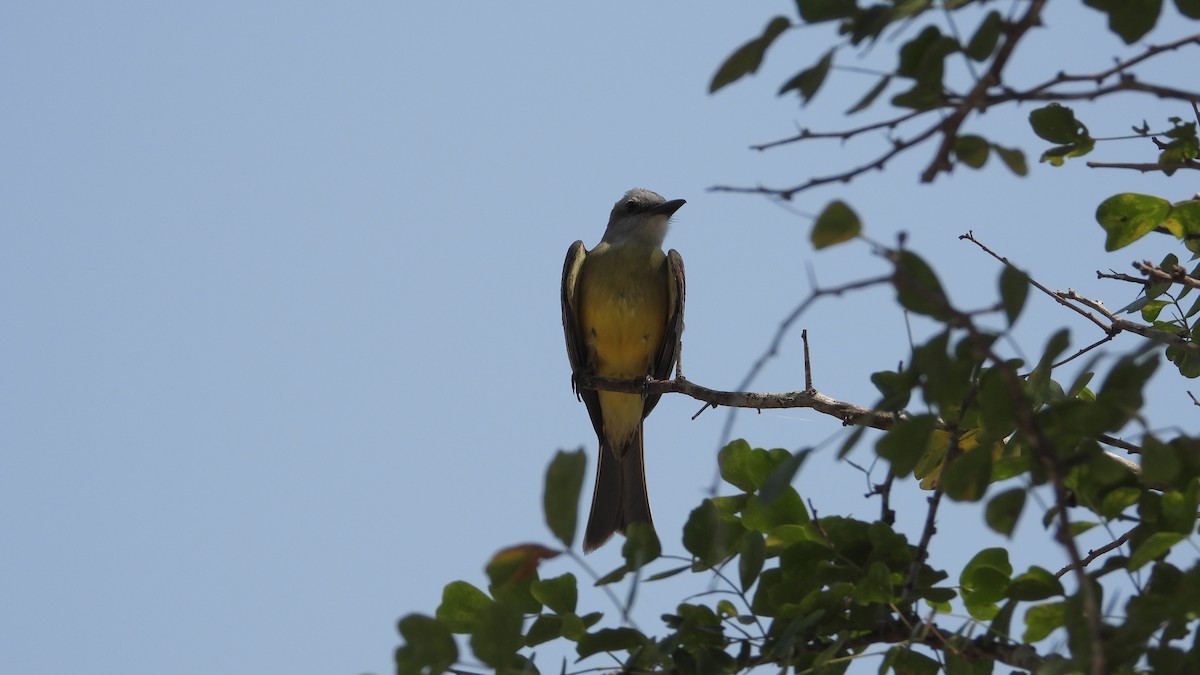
x=1157, y=274
x=1145, y=167
x=1096, y=553
x=808, y=385
x=845, y=135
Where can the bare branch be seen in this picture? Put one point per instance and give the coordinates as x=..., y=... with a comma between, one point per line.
x=844, y=177
x=1157, y=274
x=806, y=134
x=988, y=90
x=1145, y=167
x=1096, y=553
x=1117, y=68
x=970, y=236
x=848, y=413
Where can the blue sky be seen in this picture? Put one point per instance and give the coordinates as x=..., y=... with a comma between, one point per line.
x=280, y=283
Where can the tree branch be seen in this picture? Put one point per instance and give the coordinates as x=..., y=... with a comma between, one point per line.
x=1096, y=553
x=1145, y=167
x=807, y=134
x=848, y=413
x=950, y=126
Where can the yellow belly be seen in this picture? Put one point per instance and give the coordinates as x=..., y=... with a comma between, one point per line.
x=623, y=304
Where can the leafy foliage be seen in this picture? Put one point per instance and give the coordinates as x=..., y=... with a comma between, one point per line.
x=967, y=423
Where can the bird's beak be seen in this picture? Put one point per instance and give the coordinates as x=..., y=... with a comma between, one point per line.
x=668, y=208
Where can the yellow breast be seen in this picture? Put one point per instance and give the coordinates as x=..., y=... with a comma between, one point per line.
x=623, y=307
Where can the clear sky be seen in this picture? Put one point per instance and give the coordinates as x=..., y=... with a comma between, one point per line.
x=281, y=351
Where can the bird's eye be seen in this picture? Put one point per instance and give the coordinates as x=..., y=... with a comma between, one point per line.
x=631, y=206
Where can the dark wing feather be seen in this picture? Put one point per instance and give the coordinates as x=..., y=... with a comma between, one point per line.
x=576, y=352
x=668, y=353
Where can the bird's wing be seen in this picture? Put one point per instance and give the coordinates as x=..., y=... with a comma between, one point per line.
x=576, y=351
x=668, y=353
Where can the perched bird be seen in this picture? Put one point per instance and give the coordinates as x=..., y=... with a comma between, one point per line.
x=622, y=309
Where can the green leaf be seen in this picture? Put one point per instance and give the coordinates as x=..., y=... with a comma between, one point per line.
x=920, y=96
x=1040, y=387
x=786, y=509
x=780, y=478
x=641, y=545
x=558, y=593
x=1186, y=358
x=1161, y=463
x=918, y=288
x=836, y=224
x=871, y=95
x=875, y=586
x=428, y=646
x=1078, y=527
x=923, y=57
x=983, y=42
x=1042, y=620
x=1056, y=123
x=985, y=581
x=742, y=466
x=1178, y=511
x=896, y=389
x=462, y=605
x=967, y=478
x=1004, y=510
x=560, y=502
x=574, y=626
x=1121, y=393
x=809, y=80
x=747, y=58
x=497, y=635
x=870, y=22
x=1188, y=8
x=1130, y=19
x=545, y=628
x=1155, y=546
x=1128, y=217
x=905, y=442
x=613, y=576
x=816, y=11
x=1014, y=288
x=999, y=629
x=1119, y=499
x=971, y=150
x=904, y=661
x=1013, y=158
x=1151, y=309
x=610, y=640
x=709, y=536
x=1184, y=219
x=1057, y=155
x=511, y=572
x=750, y=559
x=667, y=574
x=1036, y=584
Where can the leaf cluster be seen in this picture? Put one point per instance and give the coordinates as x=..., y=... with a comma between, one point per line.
x=970, y=426
x=935, y=103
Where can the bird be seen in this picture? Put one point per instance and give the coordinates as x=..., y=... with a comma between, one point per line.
x=622, y=314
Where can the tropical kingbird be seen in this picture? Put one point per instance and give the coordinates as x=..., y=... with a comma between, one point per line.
x=622, y=307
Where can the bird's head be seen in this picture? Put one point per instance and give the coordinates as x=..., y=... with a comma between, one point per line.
x=640, y=215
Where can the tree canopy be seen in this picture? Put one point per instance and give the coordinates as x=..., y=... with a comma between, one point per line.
x=967, y=420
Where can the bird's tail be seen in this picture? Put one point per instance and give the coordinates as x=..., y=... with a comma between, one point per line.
x=620, y=495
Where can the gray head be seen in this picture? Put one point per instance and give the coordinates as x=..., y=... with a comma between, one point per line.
x=641, y=215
